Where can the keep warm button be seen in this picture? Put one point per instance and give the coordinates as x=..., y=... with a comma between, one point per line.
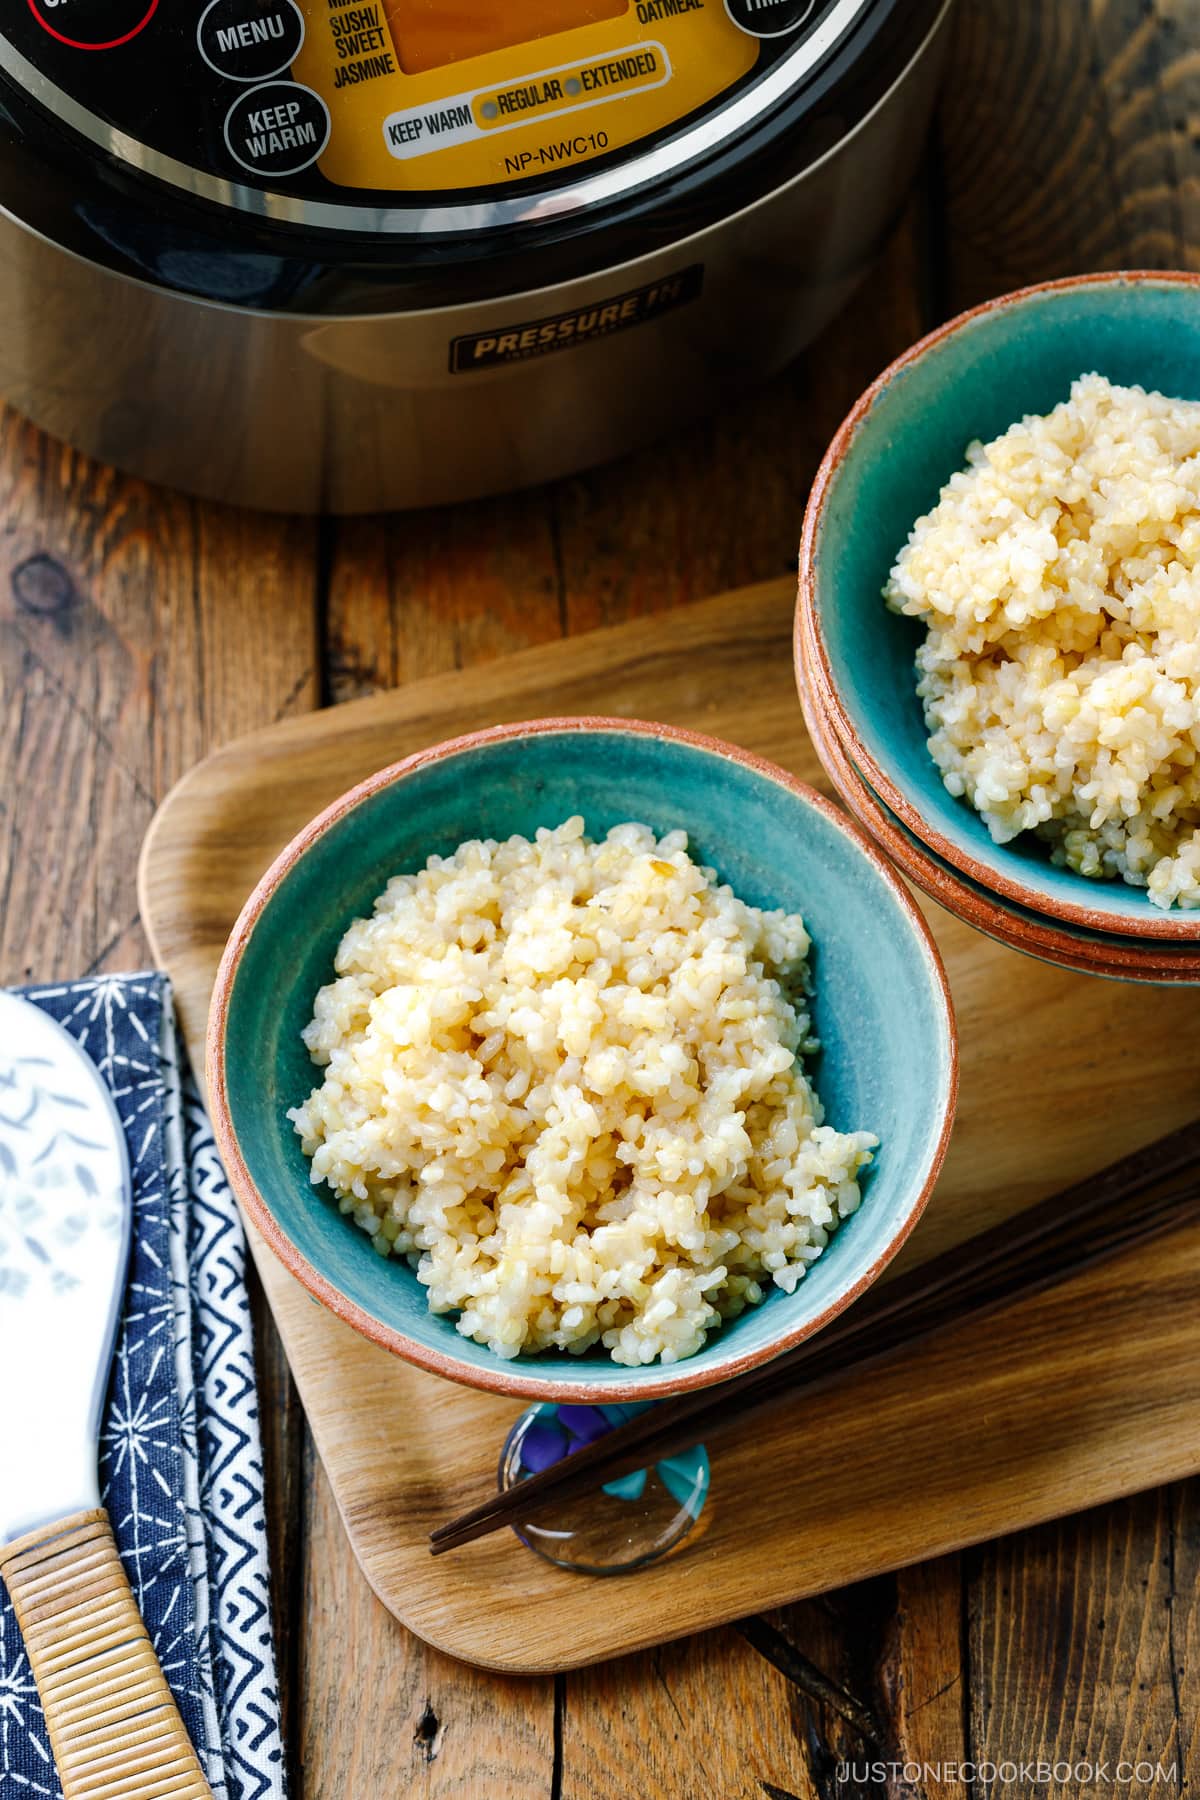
x=277, y=129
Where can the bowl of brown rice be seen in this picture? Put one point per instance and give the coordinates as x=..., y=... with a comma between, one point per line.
x=999, y=604
x=583, y=1060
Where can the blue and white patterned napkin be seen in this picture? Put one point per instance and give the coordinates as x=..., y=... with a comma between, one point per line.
x=180, y=1457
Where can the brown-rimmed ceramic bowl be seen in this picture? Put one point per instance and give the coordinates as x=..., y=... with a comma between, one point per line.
x=905, y=437
x=1117, y=958
x=888, y=1061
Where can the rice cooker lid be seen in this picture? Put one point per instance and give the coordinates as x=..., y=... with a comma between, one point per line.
x=391, y=117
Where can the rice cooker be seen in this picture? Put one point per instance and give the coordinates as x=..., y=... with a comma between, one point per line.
x=352, y=254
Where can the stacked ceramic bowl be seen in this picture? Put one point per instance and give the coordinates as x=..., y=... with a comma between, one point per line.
x=855, y=659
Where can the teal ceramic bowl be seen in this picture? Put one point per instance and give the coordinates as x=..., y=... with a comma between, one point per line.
x=888, y=1061
x=904, y=439
x=1154, y=961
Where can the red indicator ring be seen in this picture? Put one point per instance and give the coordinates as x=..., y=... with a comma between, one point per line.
x=93, y=24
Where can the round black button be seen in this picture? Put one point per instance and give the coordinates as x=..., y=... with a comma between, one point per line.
x=770, y=18
x=249, y=40
x=277, y=129
x=93, y=24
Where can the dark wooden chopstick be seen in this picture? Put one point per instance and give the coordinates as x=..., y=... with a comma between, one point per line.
x=649, y=1439
x=1150, y=1192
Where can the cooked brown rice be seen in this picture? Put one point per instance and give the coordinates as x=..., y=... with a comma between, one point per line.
x=563, y=1079
x=1059, y=579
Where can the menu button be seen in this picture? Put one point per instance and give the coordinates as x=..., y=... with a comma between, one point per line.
x=250, y=40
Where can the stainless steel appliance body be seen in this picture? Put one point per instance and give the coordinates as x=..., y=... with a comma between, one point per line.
x=312, y=342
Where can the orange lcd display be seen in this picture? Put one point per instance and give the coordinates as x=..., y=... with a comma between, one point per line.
x=430, y=33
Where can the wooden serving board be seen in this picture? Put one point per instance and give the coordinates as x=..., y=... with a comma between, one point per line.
x=1052, y=1406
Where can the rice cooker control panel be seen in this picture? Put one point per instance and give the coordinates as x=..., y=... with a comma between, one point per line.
x=376, y=98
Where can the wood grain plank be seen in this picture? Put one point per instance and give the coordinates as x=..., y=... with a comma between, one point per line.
x=1183, y=1634
x=381, y=1713
x=137, y=630
x=1069, y=141
x=1069, y=136
x=829, y=1651
x=413, y=594
x=76, y=774
x=66, y=902
x=707, y=1716
x=1071, y=1646
x=925, y=1674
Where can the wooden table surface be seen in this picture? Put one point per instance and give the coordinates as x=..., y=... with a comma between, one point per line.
x=139, y=628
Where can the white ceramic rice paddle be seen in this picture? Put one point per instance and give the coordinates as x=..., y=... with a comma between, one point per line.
x=65, y=1222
